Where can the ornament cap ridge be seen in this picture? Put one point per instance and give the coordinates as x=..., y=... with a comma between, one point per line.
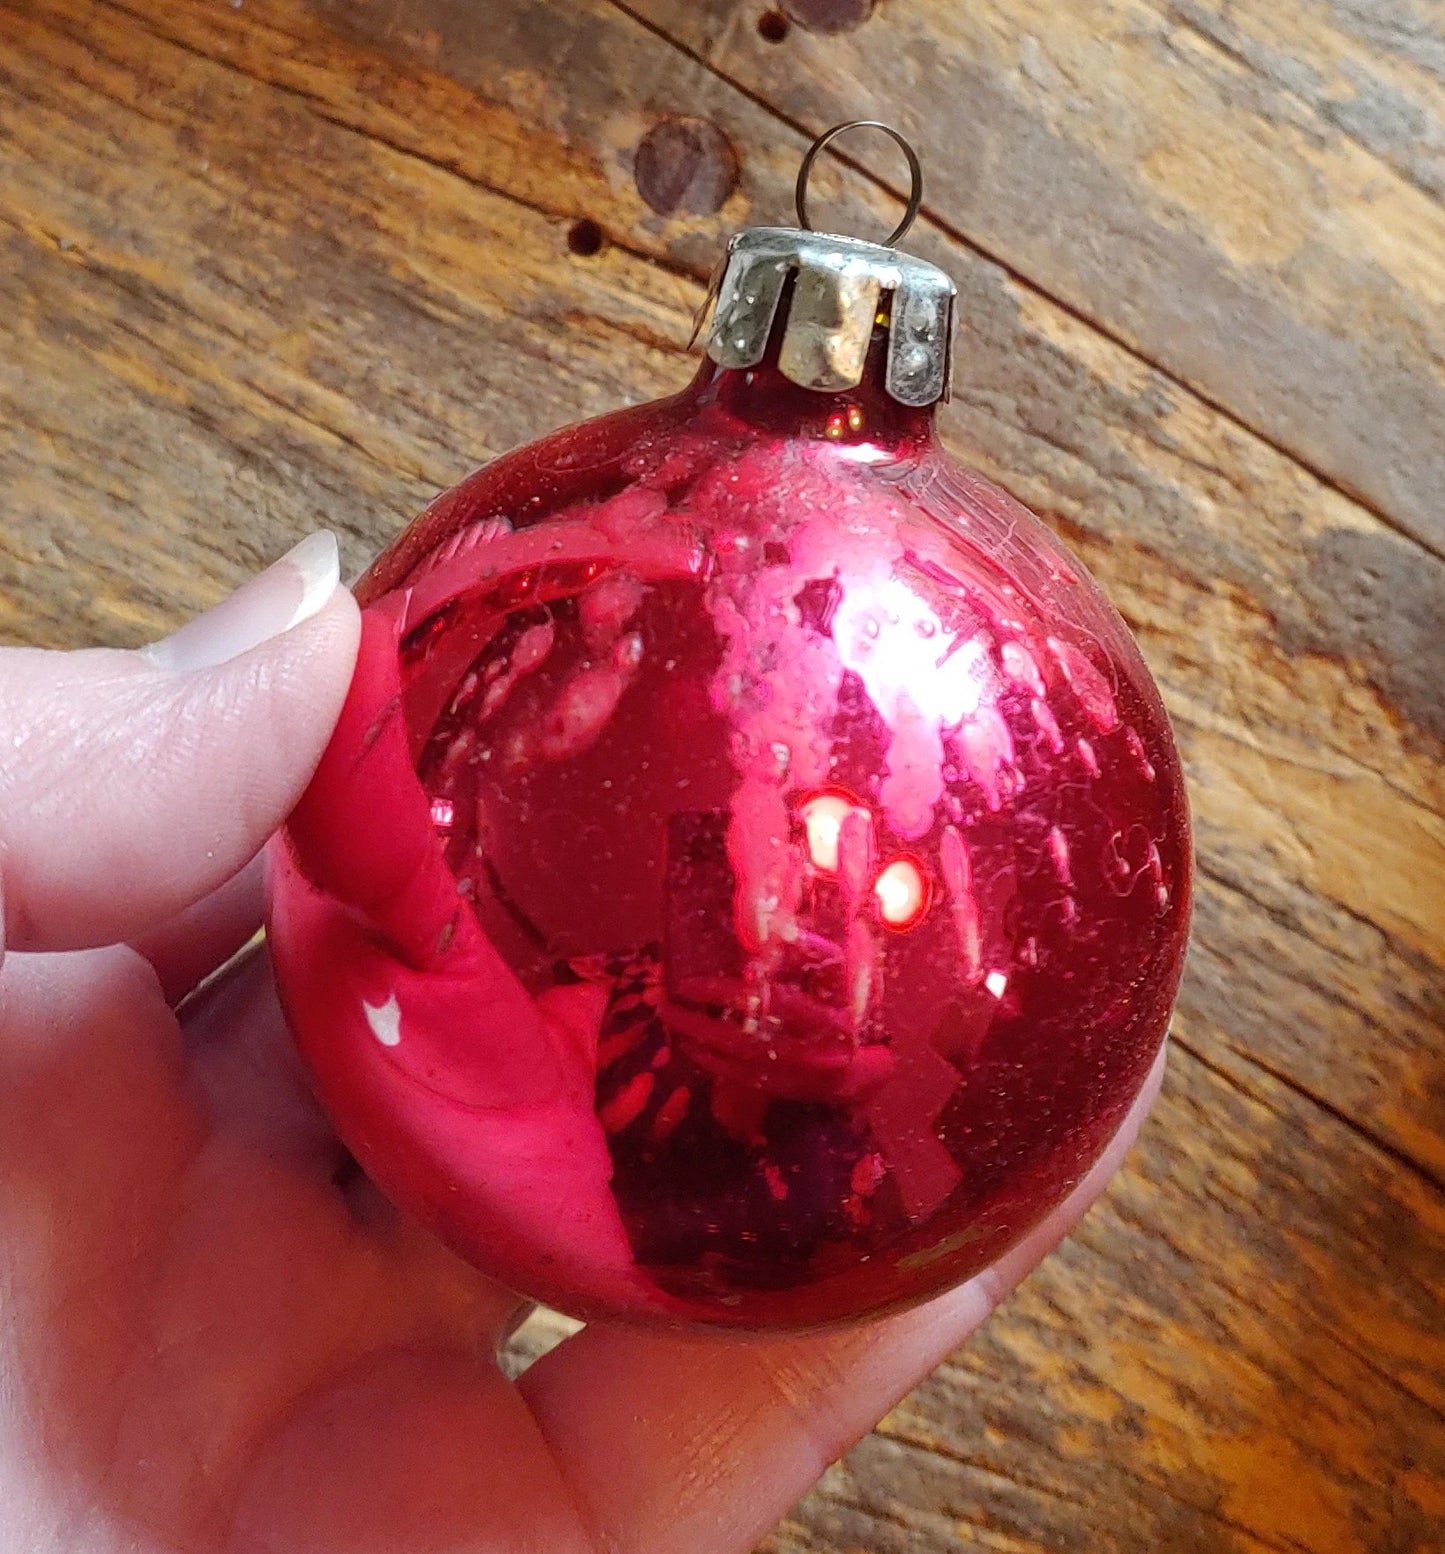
x=839, y=282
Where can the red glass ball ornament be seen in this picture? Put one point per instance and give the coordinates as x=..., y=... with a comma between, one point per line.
x=750, y=878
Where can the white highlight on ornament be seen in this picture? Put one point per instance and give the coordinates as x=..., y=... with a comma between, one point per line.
x=384, y=1020
x=823, y=817
x=900, y=892
x=996, y=982
x=913, y=658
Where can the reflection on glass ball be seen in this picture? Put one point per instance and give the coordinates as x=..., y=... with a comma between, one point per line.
x=750, y=879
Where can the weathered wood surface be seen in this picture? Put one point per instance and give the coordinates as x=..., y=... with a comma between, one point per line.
x=265, y=265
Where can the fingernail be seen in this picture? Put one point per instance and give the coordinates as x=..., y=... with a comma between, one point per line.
x=288, y=592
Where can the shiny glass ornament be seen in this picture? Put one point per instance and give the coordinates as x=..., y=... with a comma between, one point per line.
x=750, y=878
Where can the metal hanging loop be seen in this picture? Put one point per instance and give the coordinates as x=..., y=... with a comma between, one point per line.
x=915, y=172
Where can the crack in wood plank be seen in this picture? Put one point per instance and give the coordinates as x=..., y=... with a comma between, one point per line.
x=1343, y=764
x=324, y=111
x=130, y=284
x=893, y=1431
x=1421, y=1171
x=1321, y=1327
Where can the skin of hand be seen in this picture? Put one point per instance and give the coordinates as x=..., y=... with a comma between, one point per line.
x=213, y=1339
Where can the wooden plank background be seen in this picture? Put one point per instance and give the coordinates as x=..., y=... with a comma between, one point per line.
x=267, y=264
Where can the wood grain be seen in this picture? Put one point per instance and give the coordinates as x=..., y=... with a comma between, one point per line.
x=277, y=265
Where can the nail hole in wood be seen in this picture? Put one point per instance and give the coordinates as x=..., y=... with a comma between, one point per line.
x=584, y=238
x=773, y=26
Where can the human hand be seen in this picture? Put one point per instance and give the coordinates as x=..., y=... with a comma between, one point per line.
x=213, y=1338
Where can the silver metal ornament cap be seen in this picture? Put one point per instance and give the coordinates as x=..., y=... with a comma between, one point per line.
x=836, y=300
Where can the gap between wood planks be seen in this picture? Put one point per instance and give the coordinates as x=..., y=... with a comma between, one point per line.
x=932, y=216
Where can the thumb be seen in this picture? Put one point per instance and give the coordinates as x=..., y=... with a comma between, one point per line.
x=133, y=783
